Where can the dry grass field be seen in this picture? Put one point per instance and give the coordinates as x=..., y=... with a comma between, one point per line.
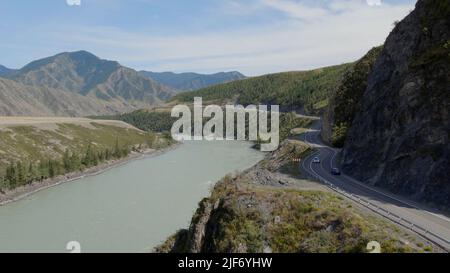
x=31, y=139
x=51, y=122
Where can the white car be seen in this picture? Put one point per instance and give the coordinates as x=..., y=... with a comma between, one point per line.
x=316, y=160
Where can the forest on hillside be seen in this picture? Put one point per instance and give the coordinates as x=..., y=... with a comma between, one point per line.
x=310, y=89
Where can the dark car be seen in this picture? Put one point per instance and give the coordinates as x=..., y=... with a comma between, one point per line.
x=335, y=171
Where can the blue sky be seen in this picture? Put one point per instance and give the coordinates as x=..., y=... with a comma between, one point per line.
x=206, y=36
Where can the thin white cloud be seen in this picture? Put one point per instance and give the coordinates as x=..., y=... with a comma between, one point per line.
x=374, y=2
x=296, y=9
x=236, y=7
x=307, y=9
x=73, y=2
x=347, y=31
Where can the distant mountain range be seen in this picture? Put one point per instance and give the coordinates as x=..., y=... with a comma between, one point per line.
x=4, y=71
x=80, y=83
x=192, y=81
x=17, y=99
x=84, y=73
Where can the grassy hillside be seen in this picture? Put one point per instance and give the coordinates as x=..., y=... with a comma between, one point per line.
x=244, y=216
x=293, y=221
x=191, y=81
x=310, y=89
x=35, y=149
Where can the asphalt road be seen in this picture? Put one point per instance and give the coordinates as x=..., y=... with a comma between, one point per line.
x=424, y=221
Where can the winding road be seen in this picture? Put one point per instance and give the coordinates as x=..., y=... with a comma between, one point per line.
x=426, y=222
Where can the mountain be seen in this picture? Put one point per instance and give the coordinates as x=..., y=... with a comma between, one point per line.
x=192, y=81
x=399, y=138
x=114, y=88
x=308, y=89
x=4, y=71
x=17, y=99
x=344, y=101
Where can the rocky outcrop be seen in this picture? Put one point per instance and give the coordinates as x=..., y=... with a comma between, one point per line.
x=248, y=218
x=18, y=99
x=244, y=214
x=399, y=138
x=344, y=102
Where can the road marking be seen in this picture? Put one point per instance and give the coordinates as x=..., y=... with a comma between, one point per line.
x=368, y=204
x=365, y=186
x=320, y=178
x=332, y=158
x=382, y=193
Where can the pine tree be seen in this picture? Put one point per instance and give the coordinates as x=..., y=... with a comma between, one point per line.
x=51, y=169
x=117, y=152
x=11, y=176
x=75, y=162
x=20, y=173
x=42, y=170
x=30, y=173
x=87, y=160
x=66, y=161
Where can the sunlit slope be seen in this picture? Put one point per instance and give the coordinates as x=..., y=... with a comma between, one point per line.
x=308, y=89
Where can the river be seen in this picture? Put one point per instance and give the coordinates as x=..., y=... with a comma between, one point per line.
x=131, y=208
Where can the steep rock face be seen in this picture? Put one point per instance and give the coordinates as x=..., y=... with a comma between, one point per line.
x=85, y=74
x=400, y=135
x=17, y=99
x=344, y=103
x=126, y=84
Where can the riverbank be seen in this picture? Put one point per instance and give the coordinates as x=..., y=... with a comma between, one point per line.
x=129, y=209
x=34, y=187
x=273, y=207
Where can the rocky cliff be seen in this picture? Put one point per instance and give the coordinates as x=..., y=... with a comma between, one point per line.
x=399, y=138
x=18, y=99
x=344, y=102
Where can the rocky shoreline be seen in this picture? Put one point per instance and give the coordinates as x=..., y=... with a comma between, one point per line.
x=271, y=208
x=27, y=190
